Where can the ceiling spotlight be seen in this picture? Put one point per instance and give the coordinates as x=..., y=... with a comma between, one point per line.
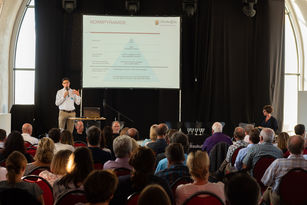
x=133, y=6
x=69, y=5
x=248, y=7
x=189, y=7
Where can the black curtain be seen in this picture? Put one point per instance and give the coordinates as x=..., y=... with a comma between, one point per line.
x=231, y=65
x=239, y=61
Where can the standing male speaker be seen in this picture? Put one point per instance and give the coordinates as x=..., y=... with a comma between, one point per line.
x=65, y=100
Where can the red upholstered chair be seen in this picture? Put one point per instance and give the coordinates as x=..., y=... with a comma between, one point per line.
x=71, y=197
x=27, y=144
x=98, y=166
x=234, y=155
x=133, y=199
x=292, y=187
x=44, y=185
x=260, y=167
x=2, y=163
x=203, y=197
x=179, y=181
x=79, y=144
x=38, y=170
x=122, y=171
x=31, y=151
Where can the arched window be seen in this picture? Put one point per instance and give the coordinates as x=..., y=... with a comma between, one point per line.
x=24, y=63
x=294, y=77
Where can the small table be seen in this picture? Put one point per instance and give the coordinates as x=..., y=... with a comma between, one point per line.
x=88, y=119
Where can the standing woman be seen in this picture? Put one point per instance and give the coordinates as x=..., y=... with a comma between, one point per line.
x=268, y=120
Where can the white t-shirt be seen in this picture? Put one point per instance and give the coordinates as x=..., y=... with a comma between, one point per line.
x=29, y=138
x=59, y=146
x=186, y=190
x=3, y=173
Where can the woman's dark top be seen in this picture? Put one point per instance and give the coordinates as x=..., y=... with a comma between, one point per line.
x=125, y=188
x=271, y=123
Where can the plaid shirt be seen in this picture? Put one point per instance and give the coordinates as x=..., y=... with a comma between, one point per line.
x=232, y=148
x=173, y=173
x=280, y=167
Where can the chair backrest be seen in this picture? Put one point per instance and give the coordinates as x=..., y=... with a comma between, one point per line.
x=217, y=155
x=260, y=167
x=38, y=170
x=122, y=171
x=179, y=181
x=133, y=199
x=234, y=155
x=71, y=197
x=27, y=144
x=292, y=187
x=98, y=166
x=44, y=185
x=2, y=163
x=31, y=151
x=203, y=197
x=80, y=144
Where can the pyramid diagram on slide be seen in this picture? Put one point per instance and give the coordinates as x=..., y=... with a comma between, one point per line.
x=130, y=66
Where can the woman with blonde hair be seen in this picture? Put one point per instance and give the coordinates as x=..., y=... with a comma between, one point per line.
x=198, y=163
x=43, y=155
x=16, y=165
x=57, y=167
x=152, y=135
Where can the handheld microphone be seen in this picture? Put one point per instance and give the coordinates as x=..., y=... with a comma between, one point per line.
x=67, y=89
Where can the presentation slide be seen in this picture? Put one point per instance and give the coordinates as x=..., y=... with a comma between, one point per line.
x=131, y=52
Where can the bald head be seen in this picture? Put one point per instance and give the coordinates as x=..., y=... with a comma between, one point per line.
x=27, y=128
x=239, y=133
x=217, y=127
x=296, y=144
x=133, y=133
x=79, y=127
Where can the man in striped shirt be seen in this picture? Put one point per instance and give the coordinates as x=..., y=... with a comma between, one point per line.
x=280, y=167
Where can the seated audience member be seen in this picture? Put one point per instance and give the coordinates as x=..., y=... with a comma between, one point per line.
x=14, y=142
x=55, y=135
x=176, y=169
x=57, y=167
x=108, y=135
x=122, y=147
x=160, y=144
x=216, y=137
x=242, y=189
x=280, y=167
x=143, y=163
x=152, y=135
x=100, y=194
x=79, y=165
x=299, y=130
x=239, y=142
x=265, y=147
x=133, y=133
x=247, y=129
x=153, y=194
x=253, y=139
x=93, y=141
x=177, y=137
x=124, y=131
x=79, y=132
x=27, y=132
x=66, y=138
x=103, y=143
x=282, y=140
x=43, y=155
x=115, y=128
x=2, y=138
x=198, y=164
x=16, y=165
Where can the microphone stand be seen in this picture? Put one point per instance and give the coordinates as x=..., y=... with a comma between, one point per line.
x=117, y=112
